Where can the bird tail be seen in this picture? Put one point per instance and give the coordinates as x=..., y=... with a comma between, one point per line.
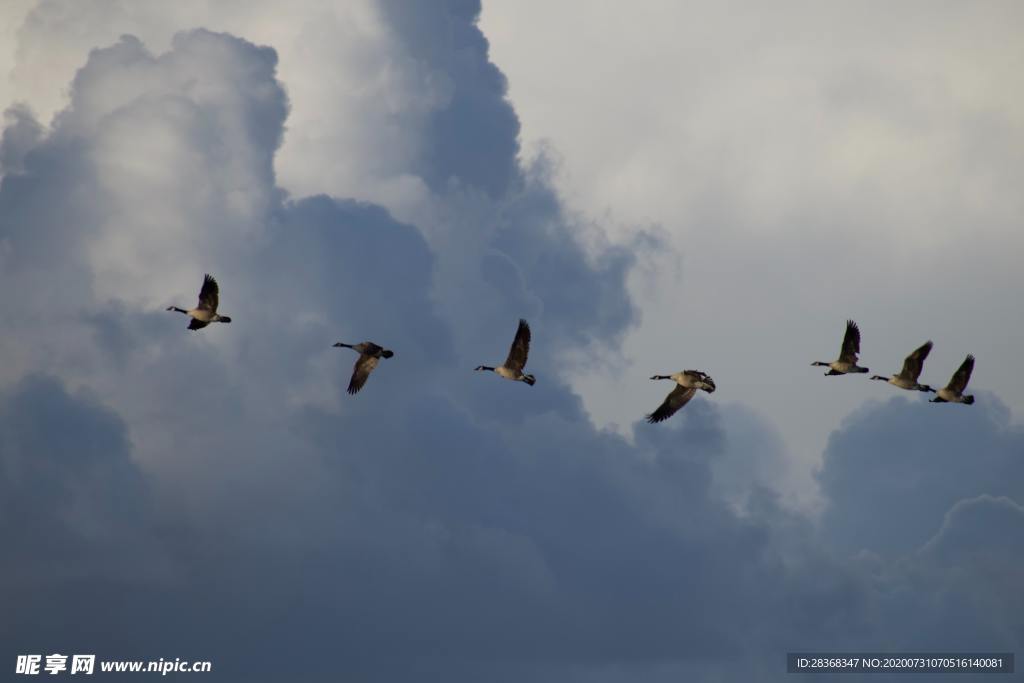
x=968, y=400
x=529, y=379
x=224, y=319
x=387, y=353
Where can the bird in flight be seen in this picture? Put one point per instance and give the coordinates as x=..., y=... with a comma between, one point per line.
x=369, y=356
x=516, y=361
x=954, y=391
x=912, y=366
x=205, y=311
x=847, y=362
x=687, y=384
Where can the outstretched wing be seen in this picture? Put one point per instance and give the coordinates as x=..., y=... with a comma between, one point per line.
x=209, y=295
x=914, y=363
x=676, y=399
x=851, y=343
x=194, y=324
x=363, y=367
x=516, y=360
x=962, y=376
x=371, y=349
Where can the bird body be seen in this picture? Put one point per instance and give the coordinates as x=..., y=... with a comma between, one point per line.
x=687, y=384
x=847, y=361
x=502, y=371
x=205, y=311
x=513, y=366
x=369, y=356
x=903, y=383
x=954, y=391
x=912, y=366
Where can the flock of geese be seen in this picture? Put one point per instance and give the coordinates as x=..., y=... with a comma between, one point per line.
x=908, y=376
x=688, y=382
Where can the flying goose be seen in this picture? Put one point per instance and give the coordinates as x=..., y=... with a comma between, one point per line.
x=369, y=355
x=912, y=365
x=847, y=355
x=954, y=391
x=516, y=361
x=688, y=382
x=205, y=311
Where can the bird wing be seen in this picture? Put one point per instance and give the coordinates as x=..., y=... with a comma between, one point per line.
x=676, y=399
x=371, y=349
x=209, y=295
x=361, y=371
x=195, y=324
x=915, y=362
x=851, y=343
x=701, y=376
x=707, y=380
x=962, y=376
x=520, y=348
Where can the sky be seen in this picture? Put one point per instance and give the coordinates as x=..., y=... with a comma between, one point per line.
x=809, y=163
x=653, y=186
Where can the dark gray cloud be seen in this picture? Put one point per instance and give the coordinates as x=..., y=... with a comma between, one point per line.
x=474, y=137
x=21, y=133
x=74, y=516
x=68, y=475
x=221, y=497
x=895, y=468
x=508, y=247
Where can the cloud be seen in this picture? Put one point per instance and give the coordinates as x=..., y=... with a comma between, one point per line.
x=21, y=133
x=927, y=499
x=473, y=137
x=979, y=525
x=74, y=515
x=64, y=489
x=808, y=165
x=442, y=522
x=894, y=469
